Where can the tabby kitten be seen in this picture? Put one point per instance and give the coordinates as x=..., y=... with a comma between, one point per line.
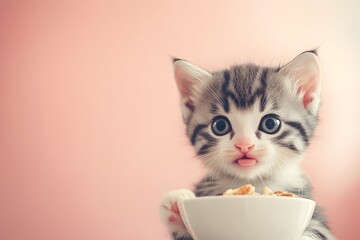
x=249, y=124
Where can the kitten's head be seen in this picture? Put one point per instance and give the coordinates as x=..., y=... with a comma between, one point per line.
x=250, y=121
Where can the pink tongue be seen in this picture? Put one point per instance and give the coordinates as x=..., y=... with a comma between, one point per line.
x=246, y=162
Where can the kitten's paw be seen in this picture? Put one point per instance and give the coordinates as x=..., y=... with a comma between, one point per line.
x=170, y=214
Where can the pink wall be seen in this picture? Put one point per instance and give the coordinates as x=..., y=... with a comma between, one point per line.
x=90, y=132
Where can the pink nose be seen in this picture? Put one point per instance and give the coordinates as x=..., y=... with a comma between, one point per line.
x=244, y=145
x=245, y=148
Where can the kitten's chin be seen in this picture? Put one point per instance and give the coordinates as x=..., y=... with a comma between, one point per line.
x=246, y=168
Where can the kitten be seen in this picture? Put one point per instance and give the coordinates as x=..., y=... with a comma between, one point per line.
x=249, y=124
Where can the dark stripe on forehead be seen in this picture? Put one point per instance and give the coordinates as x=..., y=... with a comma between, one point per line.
x=224, y=90
x=263, y=76
x=298, y=126
x=263, y=99
x=263, y=102
x=260, y=92
x=226, y=105
x=227, y=76
x=196, y=131
x=235, y=100
x=242, y=83
x=227, y=93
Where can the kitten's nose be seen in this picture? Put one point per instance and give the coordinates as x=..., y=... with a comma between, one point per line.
x=244, y=145
x=245, y=148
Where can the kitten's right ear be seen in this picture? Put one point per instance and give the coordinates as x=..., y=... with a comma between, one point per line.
x=190, y=80
x=304, y=75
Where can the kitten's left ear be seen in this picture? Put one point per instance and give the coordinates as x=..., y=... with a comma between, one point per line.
x=304, y=72
x=190, y=80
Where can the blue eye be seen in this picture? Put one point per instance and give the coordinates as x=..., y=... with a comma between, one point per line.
x=270, y=124
x=220, y=126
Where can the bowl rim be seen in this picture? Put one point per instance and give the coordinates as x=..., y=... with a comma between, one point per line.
x=276, y=198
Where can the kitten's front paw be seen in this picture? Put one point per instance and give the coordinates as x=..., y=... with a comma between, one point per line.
x=170, y=214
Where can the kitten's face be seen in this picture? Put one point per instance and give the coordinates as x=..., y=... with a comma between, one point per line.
x=250, y=121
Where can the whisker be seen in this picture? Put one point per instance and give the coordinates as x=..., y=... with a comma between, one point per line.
x=259, y=176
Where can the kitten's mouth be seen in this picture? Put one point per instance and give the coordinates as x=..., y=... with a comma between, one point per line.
x=245, y=161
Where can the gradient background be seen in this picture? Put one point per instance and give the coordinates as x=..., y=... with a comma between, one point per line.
x=91, y=136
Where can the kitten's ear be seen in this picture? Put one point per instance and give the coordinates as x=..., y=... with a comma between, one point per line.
x=190, y=79
x=304, y=72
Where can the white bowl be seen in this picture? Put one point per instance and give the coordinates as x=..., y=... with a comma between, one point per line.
x=246, y=217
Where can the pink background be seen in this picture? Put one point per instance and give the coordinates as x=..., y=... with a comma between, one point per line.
x=90, y=131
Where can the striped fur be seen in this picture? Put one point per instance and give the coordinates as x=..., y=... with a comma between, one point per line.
x=244, y=94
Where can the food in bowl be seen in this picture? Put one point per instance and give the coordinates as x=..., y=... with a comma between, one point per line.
x=249, y=189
